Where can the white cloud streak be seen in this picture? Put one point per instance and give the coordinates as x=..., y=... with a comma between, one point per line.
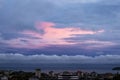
x=36, y=59
x=73, y=1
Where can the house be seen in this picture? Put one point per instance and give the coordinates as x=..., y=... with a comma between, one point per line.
x=4, y=78
x=34, y=78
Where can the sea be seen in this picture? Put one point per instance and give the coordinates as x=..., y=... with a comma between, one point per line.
x=60, y=67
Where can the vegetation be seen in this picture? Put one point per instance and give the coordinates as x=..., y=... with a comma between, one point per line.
x=117, y=76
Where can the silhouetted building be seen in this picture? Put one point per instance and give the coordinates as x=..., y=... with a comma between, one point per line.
x=38, y=73
x=4, y=78
x=33, y=78
x=68, y=76
x=51, y=73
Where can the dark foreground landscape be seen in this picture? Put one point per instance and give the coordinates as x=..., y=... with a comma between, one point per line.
x=37, y=74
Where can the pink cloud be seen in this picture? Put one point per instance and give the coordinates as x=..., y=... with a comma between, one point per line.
x=25, y=43
x=48, y=27
x=57, y=35
x=43, y=25
x=91, y=44
x=51, y=35
x=32, y=34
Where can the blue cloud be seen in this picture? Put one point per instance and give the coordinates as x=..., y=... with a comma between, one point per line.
x=19, y=15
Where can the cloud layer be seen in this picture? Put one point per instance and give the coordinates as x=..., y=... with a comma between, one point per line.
x=36, y=59
x=61, y=2
x=90, y=25
x=47, y=33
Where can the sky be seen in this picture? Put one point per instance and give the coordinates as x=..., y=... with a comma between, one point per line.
x=60, y=31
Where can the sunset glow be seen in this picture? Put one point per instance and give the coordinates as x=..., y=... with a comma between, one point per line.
x=73, y=30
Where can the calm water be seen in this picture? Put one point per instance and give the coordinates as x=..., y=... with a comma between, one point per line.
x=100, y=68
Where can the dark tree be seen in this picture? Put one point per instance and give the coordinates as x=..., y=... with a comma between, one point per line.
x=117, y=76
x=116, y=69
